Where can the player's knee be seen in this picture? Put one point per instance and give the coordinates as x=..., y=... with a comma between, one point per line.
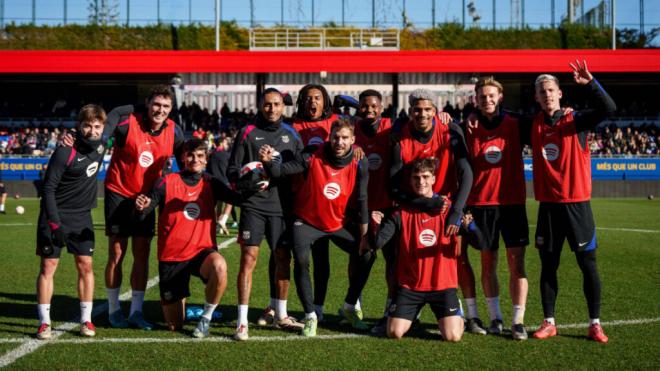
x=220, y=267
x=48, y=267
x=395, y=333
x=85, y=267
x=453, y=335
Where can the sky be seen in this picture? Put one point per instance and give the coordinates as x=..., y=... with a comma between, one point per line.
x=388, y=13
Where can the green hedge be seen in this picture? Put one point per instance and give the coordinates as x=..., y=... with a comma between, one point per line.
x=233, y=37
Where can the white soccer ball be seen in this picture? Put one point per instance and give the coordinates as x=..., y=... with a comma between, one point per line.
x=20, y=210
x=256, y=168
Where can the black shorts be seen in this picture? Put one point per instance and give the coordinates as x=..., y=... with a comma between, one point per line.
x=121, y=218
x=254, y=226
x=79, y=230
x=572, y=221
x=509, y=220
x=175, y=276
x=3, y=190
x=306, y=235
x=408, y=303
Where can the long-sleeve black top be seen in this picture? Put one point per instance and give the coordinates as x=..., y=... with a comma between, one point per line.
x=70, y=184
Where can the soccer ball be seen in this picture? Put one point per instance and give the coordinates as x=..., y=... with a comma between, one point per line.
x=20, y=210
x=17, y=196
x=255, y=169
x=651, y=197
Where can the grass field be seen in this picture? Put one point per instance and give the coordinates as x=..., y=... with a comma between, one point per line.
x=629, y=239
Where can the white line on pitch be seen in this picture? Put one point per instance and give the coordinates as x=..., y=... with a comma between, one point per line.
x=224, y=339
x=31, y=345
x=621, y=229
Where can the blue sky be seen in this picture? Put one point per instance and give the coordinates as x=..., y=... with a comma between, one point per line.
x=298, y=12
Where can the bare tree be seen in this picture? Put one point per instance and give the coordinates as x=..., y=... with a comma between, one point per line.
x=103, y=12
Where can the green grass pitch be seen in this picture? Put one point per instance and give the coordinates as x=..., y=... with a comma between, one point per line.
x=628, y=255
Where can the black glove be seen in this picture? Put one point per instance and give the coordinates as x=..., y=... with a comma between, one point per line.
x=58, y=237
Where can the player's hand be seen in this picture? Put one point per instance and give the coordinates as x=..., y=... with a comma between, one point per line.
x=142, y=202
x=451, y=229
x=581, y=73
x=445, y=118
x=445, y=204
x=365, y=247
x=222, y=224
x=567, y=111
x=266, y=153
x=68, y=139
x=358, y=152
x=377, y=217
x=467, y=219
x=472, y=122
x=58, y=236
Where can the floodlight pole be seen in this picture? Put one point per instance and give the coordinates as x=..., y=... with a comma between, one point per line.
x=34, y=11
x=494, y=15
x=64, y=12
x=217, y=25
x=282, y=12
x=613, y=4
x=2, y=14
x=373, y=13
x=312, y=13
x=189, y=12
x=552, y=13
x=158, y=10
x=641, y=16
x=343, y=23
x=464, y=14
x=433, y=13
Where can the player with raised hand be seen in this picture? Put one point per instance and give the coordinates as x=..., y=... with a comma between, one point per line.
x=264, y=213
x=145, y=138
x=332, y=177
x=65, y=219
x=562, y=185
x=426, y=259
x=497, y=204
x=186, y=235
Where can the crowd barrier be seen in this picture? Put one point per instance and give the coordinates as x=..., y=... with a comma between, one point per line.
x=640, y=168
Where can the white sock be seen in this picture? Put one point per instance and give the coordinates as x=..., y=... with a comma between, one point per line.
x=494, y=308
x=44, y=313
x=2, y=207
x=113, y=299
x=550, y=320
x=349, y=307
x=358, y=304
x=242, y=315
x=318, y=309
x=388, y=302
x=310, y=315
x=137, y=298
x=471, y=308
x=518, y=314
x=273, y=303
x=86, y=311
x=594, y=321
x=208, y=310
x=280, y=309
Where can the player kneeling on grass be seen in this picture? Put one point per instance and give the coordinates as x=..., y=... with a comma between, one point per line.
x=426, y=260
x=65, y=219
x=186, y=236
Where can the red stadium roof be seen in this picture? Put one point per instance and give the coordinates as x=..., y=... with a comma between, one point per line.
x=533, y=61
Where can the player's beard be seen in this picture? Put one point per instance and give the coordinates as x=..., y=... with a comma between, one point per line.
x=91, y=144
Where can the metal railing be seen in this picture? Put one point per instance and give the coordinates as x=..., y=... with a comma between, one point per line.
x=323, y=39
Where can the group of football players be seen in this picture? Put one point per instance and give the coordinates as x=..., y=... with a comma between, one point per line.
x=420, y=191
